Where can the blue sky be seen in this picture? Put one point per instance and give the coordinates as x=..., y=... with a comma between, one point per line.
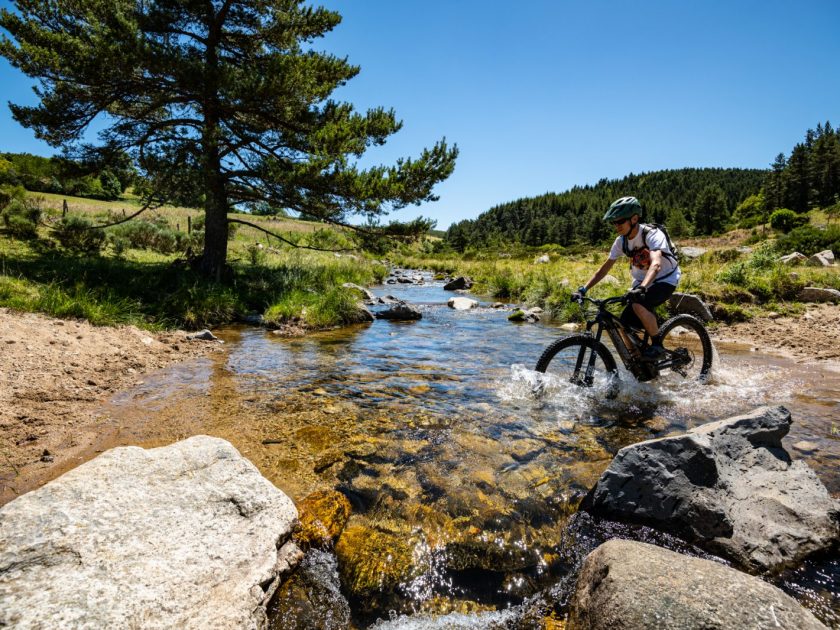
x=541, y=96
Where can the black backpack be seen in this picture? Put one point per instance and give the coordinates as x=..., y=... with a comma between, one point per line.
x=673, y=254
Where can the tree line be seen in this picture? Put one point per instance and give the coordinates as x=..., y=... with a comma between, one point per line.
x=688, y=200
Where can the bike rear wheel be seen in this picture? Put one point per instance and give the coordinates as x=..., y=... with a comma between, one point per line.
x=689, y=346
x=567, y=360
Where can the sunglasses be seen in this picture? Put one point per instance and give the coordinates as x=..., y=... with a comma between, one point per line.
x=620, y=222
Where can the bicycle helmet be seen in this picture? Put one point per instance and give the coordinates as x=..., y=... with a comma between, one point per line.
x=623, y=208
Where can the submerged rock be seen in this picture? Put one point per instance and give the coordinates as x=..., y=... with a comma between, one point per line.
x=625, y=584
x=188, y=535
x=728, y=486
x=323, y=515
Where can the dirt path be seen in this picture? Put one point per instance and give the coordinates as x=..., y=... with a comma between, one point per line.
x=54, y=377
x=809, y=337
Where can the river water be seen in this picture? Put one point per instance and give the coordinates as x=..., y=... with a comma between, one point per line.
x=463, y=481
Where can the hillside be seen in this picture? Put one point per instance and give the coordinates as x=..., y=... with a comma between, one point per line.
x=574, y=216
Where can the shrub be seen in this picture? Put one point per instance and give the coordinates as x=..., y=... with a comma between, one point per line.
x=809, y=240
x=21, y=217
x=153, y=235
x=786, y=220
x=79, y=235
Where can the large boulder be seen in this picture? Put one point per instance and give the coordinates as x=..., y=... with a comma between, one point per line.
x=728, y=486
x=819, y=294
x=625, y=584
x=792, y=259
x=369, y=296
x=185, y=536
x=822, y=259
x=687, y=303
x=400, y=312
x=690, y=253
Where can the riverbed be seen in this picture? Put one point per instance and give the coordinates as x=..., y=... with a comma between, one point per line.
x=462, y=477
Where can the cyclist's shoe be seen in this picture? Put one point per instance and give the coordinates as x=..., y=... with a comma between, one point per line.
x=653, y=353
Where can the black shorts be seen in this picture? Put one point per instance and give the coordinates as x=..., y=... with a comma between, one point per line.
x=656, y=294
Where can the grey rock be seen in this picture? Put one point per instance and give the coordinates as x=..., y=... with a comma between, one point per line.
x=542, y=260
x=818, y=294
x=401, y=312
x=690, y=253
x=687, y=303
x=458, y=283
x=203, y=335
x=822, y=259
x=461, y=303
x=728, y=486
x=405, y=280
x=254, y=319
x=792, y=259
x=611, y=279
x=625, y=584
x=361, y=316
x=185, y=536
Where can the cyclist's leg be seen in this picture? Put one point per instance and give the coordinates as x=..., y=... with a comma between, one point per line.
x=656, y=294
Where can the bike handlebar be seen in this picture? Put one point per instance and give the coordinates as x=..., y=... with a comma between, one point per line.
x=619, y=299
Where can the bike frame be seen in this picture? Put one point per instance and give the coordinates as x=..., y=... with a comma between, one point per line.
x=604, y=320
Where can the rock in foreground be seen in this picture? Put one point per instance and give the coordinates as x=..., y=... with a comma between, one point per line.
x=729, y=486
x=626, y=584
x=185, y=536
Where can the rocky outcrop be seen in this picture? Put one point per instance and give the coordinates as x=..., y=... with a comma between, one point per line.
x=728, y=486
x=626, y=584
x=689, y=304
x=185, y=536
x=400, y=312
x=458, y=283
x=818, y=294
x=461, y=303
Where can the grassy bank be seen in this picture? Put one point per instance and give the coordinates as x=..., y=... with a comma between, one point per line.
x=153, y=287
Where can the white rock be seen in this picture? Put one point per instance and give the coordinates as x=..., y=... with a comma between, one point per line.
x=541, y=260
x=185, y=536
x=461, y=303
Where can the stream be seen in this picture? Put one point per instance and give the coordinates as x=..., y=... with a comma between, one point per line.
x=463, y=482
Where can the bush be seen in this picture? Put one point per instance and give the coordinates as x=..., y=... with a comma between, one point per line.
x=809, y=240
x=153, y=235
x=79, y=235
x=21, y=217
x=786, y=220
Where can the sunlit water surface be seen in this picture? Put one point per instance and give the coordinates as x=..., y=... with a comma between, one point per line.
x=461, y=477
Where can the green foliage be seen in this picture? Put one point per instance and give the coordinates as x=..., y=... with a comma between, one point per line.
x=751, y=212
x=809, y=240
x=152, y=235
x=710, y=210
x=77, y=234
x=21, y=217
x=785, y=220
x=575, y=216
x=225, y=102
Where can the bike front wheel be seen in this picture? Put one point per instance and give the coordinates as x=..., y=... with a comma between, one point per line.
x=689, y=347
x=569, y=359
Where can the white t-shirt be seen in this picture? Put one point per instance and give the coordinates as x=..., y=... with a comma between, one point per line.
x=640, y=256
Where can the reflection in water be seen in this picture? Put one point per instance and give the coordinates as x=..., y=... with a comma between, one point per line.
x=461, y=472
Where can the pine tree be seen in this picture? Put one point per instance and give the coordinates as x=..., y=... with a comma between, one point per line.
x=710, y=211
x=223, y=96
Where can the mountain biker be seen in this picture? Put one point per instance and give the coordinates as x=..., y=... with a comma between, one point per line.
x=654, y=269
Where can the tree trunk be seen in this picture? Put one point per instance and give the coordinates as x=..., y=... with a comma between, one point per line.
x=215, y=227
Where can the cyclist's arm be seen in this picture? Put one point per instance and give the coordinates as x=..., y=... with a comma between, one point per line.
x=653, y=270
x=598, y=275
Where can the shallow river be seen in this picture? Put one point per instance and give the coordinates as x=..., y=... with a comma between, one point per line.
x=462, y=481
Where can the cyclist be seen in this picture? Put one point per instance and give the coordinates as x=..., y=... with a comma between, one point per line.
x=654, y=269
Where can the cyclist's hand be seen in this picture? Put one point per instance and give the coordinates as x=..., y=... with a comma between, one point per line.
x=577, y=296
x=636, y=294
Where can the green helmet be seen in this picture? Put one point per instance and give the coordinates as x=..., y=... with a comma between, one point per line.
x=623, y=208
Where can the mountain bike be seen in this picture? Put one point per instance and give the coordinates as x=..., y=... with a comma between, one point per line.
x=585, y=361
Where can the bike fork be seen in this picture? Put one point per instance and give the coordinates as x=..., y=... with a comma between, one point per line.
x=589, y=374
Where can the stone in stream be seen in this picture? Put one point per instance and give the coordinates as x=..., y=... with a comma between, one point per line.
x=184, y=536
x=461, y=303
x=728, y=486
x=323, y=515
x=625, y=584
x=400, y=312
x=458, y=283
x=370, y=297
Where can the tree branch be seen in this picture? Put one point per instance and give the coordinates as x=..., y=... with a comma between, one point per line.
x=288, y=242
